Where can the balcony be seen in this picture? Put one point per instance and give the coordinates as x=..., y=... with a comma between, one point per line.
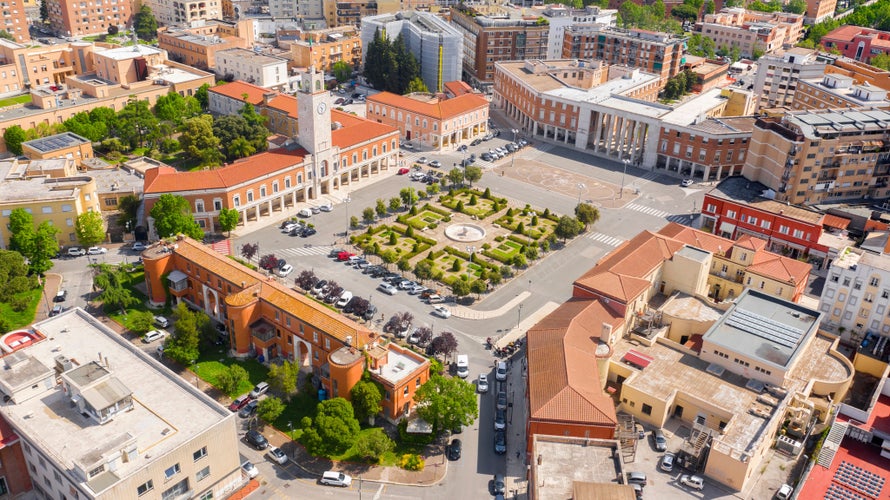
x=262, y=331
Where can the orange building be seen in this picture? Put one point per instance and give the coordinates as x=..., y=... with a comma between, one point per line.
x=198, y=46
x=76, y=18
x=431, y=120
x=15, y=20
x=268, y=320
x=326, y=48
x=14, y=477
x=335, y=150
x=280, y=109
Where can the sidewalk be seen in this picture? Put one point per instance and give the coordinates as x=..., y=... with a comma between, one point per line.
x=526, y=323
x=517, y=473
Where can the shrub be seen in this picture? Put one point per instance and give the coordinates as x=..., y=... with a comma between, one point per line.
x=487, y=194
x=499, y=239
x=510, y=213
x=460, y=206
x=455, y=266
x=534, y=220
x=19, y=304
x=393, y=239
x=447, y=218
x=520, y=228
x=433, y=225
x=411, y=461
x=486, y=246
x=473, y=200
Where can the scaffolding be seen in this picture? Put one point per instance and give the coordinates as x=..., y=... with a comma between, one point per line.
x=628, y=435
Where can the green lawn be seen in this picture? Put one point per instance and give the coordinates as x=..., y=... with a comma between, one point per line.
x=301, y=405
x=506, y=250
x=388, y=459
x=19, y=99
x=26, y=317
x=424, y=219
x=212, y=362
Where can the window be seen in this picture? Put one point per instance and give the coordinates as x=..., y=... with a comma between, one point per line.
x=145, y=487
x=206, y=496
x=730, y=214
x=199, y=206
x=783, y=229
x=250, y=196
x=176, y=490
x=764, y=224
x=834, y=279
x=647, y=410
x=203, y=473
x=171, y=471
x=798, y=234
x=874, y=281
x=847, y=281
x=236, y=200
x=198, y=455
x=93, y=473
x=46, y=210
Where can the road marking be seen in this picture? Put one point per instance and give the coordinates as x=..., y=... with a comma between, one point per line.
x=684, y=219
x=648, y=210
x=611, y=241
x=379, y=491
x=306, y=251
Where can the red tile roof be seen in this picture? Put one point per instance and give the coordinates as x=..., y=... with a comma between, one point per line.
x=835, y=221
x=356, y=130
x=436, y=108
x=237, y=89
x=458, y=88
x=751, y=243
x=779, y=268
x=285, y=103
x=169, y=180
x=562, y=355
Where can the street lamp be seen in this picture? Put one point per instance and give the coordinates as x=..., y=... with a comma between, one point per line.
x=513, y=156
x=347, y=200
x=621, y=193
x=519, y=320
x=581, y=188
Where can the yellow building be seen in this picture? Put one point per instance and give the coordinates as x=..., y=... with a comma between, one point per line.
x=322, y=49
x=64, y=145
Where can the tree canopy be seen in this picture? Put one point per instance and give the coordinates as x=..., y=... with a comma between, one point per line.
x=172, y=215
x=90, y=228
x=38, y=244
x=14, y=136
x=228, y=219
x=183, y=344
x=145, y=24
x=366, y=398
x=447, y=402
x=199, y=142
x=112, y=281
x=389, y=65
x=332, y=431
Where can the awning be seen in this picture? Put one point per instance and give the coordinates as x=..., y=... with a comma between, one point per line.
x=835, y=221
x=726, y=227
x=176, y=276
x=637, y=359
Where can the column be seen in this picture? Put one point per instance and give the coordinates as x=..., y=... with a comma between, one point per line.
x=610, y=128
x=623, y=130
x=598, y=127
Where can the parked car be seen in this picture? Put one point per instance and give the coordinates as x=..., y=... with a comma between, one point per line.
x=406, y=145
x=498, y=486
x=249, y=409
x=482, y=383
x=327, y=207
x=56, y=310
x=139, y=246
x=476, y=142
x=240, y=402
x=436, y=164
x=500, y=373
x=335, y=252
x=388, y=289
x=334, y=478
x=370, y=313
x=319, y=286
x=307, y=232
x=285, y=270
x=403, y=171
x=486, y=157
x=406, y=284
x=257, y=440
x=500, y=420
x=660, y=440
x=784, y=492
x=305, y=212
x=344, y=299
x=259, y=390
x=151, y=336
x=344, y=256
x=76, y=252
x=61, y=295
x=161, y=321
x=277, y=455
x=636, y=478
x=416, y=290
x=96, y=250
x=694, y=482
x=454, y=450
x=686, y=183
x=435, y=299
x=462, y=148
x=442, y=312
x=500, y=442
x=501, y=403
x=249, y=469
x=463, y=365
x=667, y=462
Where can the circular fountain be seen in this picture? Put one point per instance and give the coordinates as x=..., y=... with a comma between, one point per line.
x=465, y=232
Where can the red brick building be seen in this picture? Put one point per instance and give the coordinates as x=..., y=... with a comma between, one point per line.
x=14, y=476
x=857, y=42
x=268, y=320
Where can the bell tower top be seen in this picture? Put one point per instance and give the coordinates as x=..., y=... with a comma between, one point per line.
x=312, y=82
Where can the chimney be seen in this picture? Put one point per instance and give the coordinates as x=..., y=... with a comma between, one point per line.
x=606, y=335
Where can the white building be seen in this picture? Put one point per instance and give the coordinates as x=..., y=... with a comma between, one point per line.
x=252, y=67
x=561, y=17
x=185, y=12
x=100, y=418
x=778, y=74
x=856, y=295
x=289, y=10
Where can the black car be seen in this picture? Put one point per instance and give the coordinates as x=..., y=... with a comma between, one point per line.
x=462, y=148
x=486, y=157
x=281, y=263
x=500, y=442
x=257, y=440
x=370, y=270
x=350, y=306
x=61, y=296
x=296, y=231
x=307, y=232
x=454, y=450
x=476, y=142
x=377, y=272
x=249, y=409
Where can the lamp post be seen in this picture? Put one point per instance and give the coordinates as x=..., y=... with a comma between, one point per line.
x=347, y=200
x=513, y=156
x=581, y=188
x=623, y=173
x=519, y=320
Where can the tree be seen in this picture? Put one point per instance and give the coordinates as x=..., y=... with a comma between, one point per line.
x=567, y=227
x=408, y=196
x=112, y=282
x=374, y=70
x=685, y=12
x=45, y=246
x=366, y=398
x=92, y=125
x=230, y=378
x=460, y=288
x=380, y=208
x=21, y=231
x=444, y=344
x=881, y=61
x=395, y=203
x=283, y=377
x=478, y=286
x=14, y=137
x=709, y=7
x=172, y=215
x=407, y=67
x=332, y=431
x=432, y=189
x=136, y=125
x=202, y=95
x=268, y=261
x=270, y=409
x=239, y=148
x=176, y=109
x=342, y=71
x=246, y=125
x=44, y=11
x=199, y=142
x=145, y=24
x=456, y=176
x=14, y=274
x=249, y=250
x=307, y=279
x=424, y=269
x=416, y=85
x=587, y=214
x=228, y=219
x=182, y=346
x=368, y=215
x=90, y=228
x=140, y=321
x=472, y=173
x=447, y=402
x=373, y=445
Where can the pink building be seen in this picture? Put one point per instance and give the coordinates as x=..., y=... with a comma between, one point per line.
x=857, y=42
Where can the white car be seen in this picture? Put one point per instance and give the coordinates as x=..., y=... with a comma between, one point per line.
x=97, y=250
x=407, y=146
x=139, y=246
x=334, y=478
x=284, y=270
x=421, y=160
x=161, y=321
x=686, y=183
x=784, y=492
x=442, y=312
x=277, y=455
x=76, y=252
x=249, y=470
x=326, y=207
x=388, y=289
x=152, y=336
x=482, y=383
x=694, y=482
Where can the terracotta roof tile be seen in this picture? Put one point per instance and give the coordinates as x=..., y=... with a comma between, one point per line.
x=835, y=221
x=237, y=89
x=438, y=109
x=779, y=267
x=458, y=88
x=169, y=180
x=285, y=103
x=355, y=130
x=271, y=291
x=562, y=349
x=751, y=243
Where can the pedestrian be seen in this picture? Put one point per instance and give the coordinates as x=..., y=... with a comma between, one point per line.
x=517, y=455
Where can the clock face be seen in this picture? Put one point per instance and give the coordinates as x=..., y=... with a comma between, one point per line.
x=322, y=107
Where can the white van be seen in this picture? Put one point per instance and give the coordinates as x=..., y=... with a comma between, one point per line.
x=259, y=390
x=463, y=365
x=344, y=299
x=305, y=212
x=501, y=372
x=334, y=478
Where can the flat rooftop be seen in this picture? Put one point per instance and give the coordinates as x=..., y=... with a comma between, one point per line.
x=688, y=307
x=565, y=461
x=740, y=190
x=690, y=110
x=129, y=52
x=37, y=188
x=398, y=366
x=263, y=59
x=109, y=180
x=56, y=142
x=167, y=411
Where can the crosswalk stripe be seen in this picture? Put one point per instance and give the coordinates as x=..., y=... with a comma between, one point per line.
x=648, y=210
x=306, y=251
x=605, y=239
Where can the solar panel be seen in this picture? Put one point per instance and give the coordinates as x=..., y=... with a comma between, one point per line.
x=763, y=327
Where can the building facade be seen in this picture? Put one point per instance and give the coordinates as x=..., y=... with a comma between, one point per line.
x=25, y=66
x=838, y=92
x=197, y=46
x=279, y=109
x=430, y=120
x=320, y=161
x=246, y=65
x=437, y=45
x=856, y=295
x=492, y=34
x=752, y=32
x=15, y=21
x=185, y=12
x=819, y=10
x=857, y=42
x=64, y=145
x=324, y=48
x=653, y=52
x=778, y=75
x=269, y=320
x=70, y=18
x=84, y=420
x=710, y=150
x=561, y=17
x=811, y=157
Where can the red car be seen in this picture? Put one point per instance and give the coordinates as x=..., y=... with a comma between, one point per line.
x=344, y=256
x=240, y=402
x=403, y=171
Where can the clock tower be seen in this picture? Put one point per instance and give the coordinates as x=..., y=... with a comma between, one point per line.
x=314, y=114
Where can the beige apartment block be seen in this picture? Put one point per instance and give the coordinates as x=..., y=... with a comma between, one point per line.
x=653, y=52
x=752, y=32
x=809, y=157
x=322, y=49
x=101, y=419
x=838, y=92
x=819, y=10
x=15, y=20
x=778, y=74
x=246, y=65
x=197, y=46
x=185, y=12
x=78, y=18
x=856, y=295
x=27, y=66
